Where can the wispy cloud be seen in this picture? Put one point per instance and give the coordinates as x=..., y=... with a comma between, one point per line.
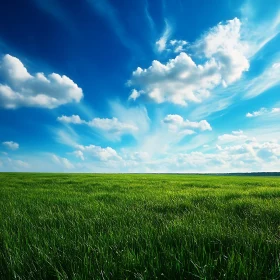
x=263, y=111
x=11, y=145
x=112, y=128
x=261, y=29
x=63, y=162
x=162, y=41
x=266, y=80
x=149, y=18
x=54, y=8
x=233, y=136
x=110, y=14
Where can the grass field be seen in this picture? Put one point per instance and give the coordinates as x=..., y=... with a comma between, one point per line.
x=84, y=226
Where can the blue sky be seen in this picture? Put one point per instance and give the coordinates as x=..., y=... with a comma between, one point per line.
x=140, y=86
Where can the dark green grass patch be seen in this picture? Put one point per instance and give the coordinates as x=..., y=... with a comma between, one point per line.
x=101, y=226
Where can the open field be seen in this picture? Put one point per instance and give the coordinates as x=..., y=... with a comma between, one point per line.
x=71, y=226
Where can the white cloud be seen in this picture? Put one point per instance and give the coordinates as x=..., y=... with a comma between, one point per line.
x=13, y=70
x=175, y=46
x=261, y=27
x=135, y=94
x=79, y=154
x=11, y=145
x=140, y=156
x=75, y=119
x=266, y=80
x=181, y=80
x=263, y=111
x=177, y=123
x=21, y=89
x=255, y=34
x=245, y=157
x=63, y=162
x=111, y=126
x=234, y=136
x=254, y=150
x=168, y=132
x=275, y=110
x=97, y=152
x=161, y=43
x=224, y=44
x=178, y=45
x=13, y=164
x=19, y=163
x=69, y=137
x=237, y=132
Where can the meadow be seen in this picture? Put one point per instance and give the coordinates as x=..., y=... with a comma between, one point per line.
x=139, y=226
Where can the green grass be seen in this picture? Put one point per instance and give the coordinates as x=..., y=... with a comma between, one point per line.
x=84, y=226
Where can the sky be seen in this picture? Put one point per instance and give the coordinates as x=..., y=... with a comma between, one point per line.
x=140, y=86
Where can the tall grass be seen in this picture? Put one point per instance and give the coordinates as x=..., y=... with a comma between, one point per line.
x=83, y=226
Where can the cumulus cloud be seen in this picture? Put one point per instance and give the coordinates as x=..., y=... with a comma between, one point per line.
x=11, y=145
x=263, y=111
x=181, y=80
x=178, y=45
x=224, y=44
x=112, y=126
x=175, y=46
x=177, y=124
x=21, y=89
x=99, y=153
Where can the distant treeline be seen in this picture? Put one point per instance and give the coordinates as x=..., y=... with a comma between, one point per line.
x=252, y=174
x=236, y=174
